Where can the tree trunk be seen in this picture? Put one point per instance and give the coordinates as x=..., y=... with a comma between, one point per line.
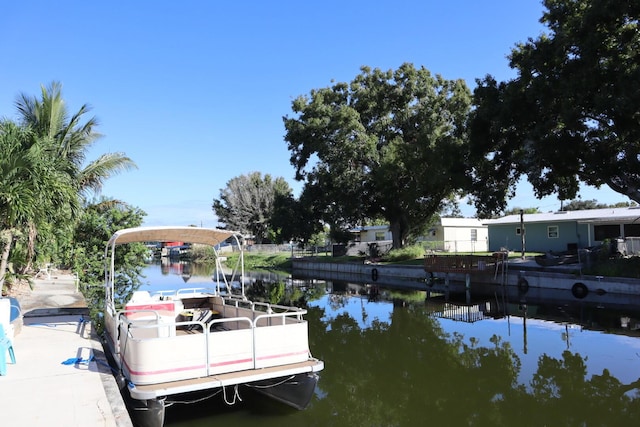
x=6, y=239
x=31, y=247
x=396, y=234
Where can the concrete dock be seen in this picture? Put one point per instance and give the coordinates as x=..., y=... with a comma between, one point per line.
x=61, y=376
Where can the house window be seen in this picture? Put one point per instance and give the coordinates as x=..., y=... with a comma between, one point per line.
x=632, y=230
x=553, y=232
x=602, y=232
x=518, y=231
x=474, y=235
x=379, y=235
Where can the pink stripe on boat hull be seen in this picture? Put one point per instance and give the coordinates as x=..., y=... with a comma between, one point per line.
x=213, y=365
x=277, y=356
x=164, y=371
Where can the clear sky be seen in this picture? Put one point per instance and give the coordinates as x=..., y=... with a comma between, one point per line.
x=195, y=91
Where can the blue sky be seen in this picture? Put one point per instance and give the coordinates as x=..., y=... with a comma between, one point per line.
x=194, y=92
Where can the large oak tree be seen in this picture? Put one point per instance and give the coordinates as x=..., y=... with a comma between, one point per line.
x=389, y=144
x=571, y=115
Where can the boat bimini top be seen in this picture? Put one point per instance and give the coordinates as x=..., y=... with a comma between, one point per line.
x=205, y=236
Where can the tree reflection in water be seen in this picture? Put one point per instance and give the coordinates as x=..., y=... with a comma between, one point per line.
x=411, y=372
x=407, y=370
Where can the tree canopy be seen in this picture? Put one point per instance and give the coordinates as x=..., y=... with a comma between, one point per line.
x=34, y=190
x=96, y=225
x=247, y=203
x=570, y=115
x=293, y=219
x=516, y=211
x=70, y=137
x=389, y=144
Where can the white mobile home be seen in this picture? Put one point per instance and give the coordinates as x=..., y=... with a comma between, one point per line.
x=457, y=235
x=449, y=235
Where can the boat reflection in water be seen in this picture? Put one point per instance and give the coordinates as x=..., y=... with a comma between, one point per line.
x=491, y=357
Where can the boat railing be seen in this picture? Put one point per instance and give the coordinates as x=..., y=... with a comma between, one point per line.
x=275, y=308
x=268, y=315
x=255, y=308
x=234, y=306
x=259, y=321
x=185, y=292
x=262, y=306
x=268, y=319
x=251, y=340
x=223, y=324
x=151, y=323
x=128, y=312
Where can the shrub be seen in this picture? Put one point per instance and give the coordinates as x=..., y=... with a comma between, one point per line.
x=202, y=254
x=406, y=253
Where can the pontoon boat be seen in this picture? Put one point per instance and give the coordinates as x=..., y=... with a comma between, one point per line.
x=194, y=340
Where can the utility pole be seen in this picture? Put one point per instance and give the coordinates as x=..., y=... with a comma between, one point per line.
x=522, y=231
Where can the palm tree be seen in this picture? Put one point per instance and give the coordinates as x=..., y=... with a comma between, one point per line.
x=32, y=187
x=67, y=140
x=48, y=117
x=16, y=195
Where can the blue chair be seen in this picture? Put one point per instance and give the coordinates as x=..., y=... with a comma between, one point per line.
x=5, y=345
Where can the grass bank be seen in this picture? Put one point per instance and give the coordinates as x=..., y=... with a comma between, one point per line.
x=262, y=261
x=611, y=267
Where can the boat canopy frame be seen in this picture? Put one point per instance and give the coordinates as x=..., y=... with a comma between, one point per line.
x=206, y=236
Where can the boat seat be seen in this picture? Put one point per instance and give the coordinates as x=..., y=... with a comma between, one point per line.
x=140, y=296
x=5, y=346
x=203, y=317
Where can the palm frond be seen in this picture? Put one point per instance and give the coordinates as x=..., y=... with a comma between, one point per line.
x=92, y=177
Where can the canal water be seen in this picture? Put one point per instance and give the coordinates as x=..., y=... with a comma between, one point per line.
x=408, y=358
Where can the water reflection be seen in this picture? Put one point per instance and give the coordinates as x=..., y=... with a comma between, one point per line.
x=404, y=358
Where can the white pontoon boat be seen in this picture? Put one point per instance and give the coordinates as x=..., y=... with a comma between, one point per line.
x=194, y=340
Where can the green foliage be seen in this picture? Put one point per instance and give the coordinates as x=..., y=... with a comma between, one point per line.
x=71, y=138
x=94, y=228
x=35, y=190
x=247, y=203
x=406, y=253
x=319, y=239
x=44, y=176
x=571, y=113
x=388, y=144
x=293, y=220
x=202, y=254
x=577, y=205
x=279, y=293
x=615, y=267
x=516, y=211
x=276, y=292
